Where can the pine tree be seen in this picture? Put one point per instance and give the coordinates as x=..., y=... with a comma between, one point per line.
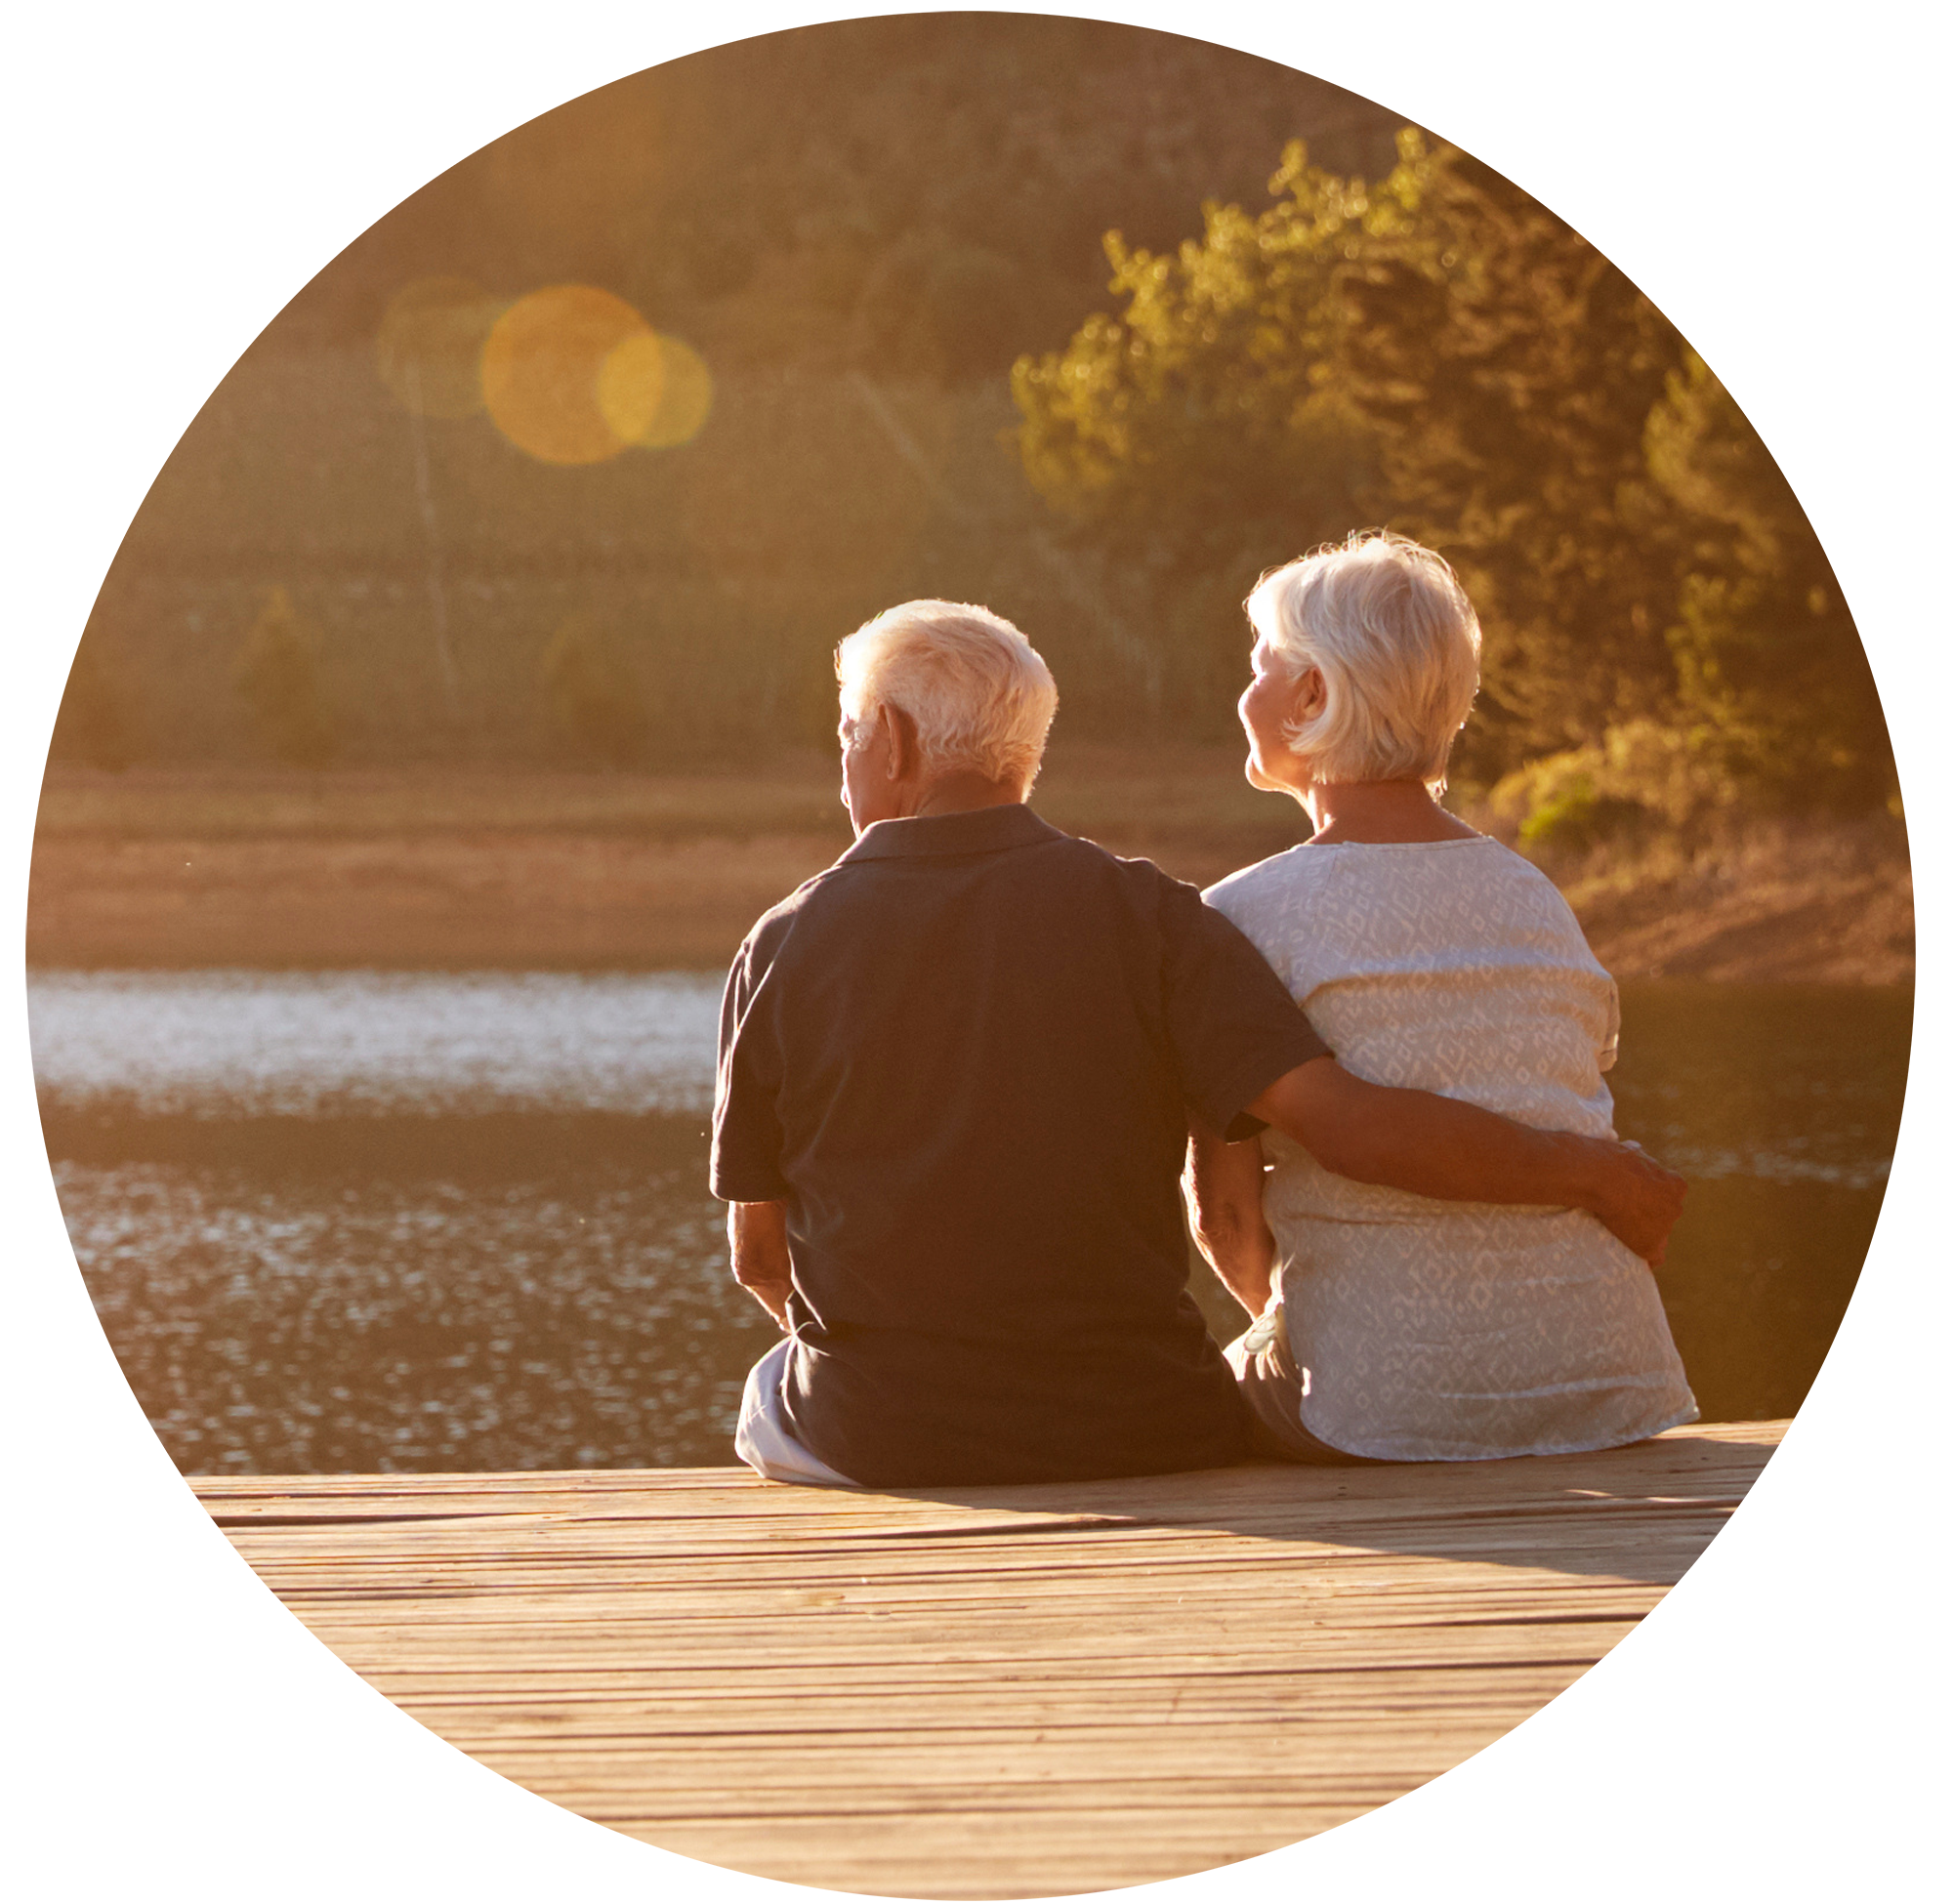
x=593, y=695
x=278, y=679
x=85, y=712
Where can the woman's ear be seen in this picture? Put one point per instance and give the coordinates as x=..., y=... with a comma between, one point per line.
x=1312, y=696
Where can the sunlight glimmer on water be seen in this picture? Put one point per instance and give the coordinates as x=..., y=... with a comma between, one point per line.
x=397, y=1221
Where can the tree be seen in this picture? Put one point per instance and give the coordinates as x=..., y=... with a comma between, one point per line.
x=1205, y=431
x=1437, y=351
x=593, y=694
x=96, y=726
x=278, y=678
x=1655, y=391
x=1779, y=659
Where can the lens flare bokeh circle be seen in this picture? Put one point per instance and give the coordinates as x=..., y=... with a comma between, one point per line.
x=631, y=386
x=686, y=401
x=570, y=374
x=542, y=373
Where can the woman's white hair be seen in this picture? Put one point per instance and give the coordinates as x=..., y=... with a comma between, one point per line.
x=1396, y=640
x=978, y=693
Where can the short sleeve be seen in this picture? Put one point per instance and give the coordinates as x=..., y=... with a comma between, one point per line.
x=1232, y=1026
x=746, y=1132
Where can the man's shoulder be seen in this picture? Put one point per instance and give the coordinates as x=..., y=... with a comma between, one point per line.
x=772, y=928
x=831, y=902
x=1077, y=854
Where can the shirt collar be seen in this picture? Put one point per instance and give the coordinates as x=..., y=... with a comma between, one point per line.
x=987, y=829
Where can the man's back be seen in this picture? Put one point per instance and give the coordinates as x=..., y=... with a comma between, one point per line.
x=962, y=1059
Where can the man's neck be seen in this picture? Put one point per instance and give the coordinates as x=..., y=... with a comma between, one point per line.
x=961, y=792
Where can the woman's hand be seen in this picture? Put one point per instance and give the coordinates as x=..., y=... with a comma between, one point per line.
x=1222, y=1186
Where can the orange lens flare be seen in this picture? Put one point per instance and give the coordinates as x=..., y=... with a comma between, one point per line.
x=684, y=399
x=569, y=374
x=631, y=386
x=543, y=372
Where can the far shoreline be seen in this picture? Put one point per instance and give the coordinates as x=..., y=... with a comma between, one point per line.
x=473, y=869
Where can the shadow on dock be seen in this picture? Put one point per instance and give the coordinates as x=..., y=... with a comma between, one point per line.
x=1519, y=1513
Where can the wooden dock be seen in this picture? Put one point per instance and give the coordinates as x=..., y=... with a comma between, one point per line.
x=986, y=1692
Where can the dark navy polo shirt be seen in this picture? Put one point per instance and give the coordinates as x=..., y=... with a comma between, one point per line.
x=964, y=1058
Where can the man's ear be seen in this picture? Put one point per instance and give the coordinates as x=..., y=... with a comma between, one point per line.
x=904, y=746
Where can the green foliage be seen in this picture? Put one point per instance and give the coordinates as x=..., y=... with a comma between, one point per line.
x=593, y=695
x=96, y=725
x=1764, y=643
x=276, y=677
x=1438, y=351
x=1639, y=775
x=1655, y=395
x=1205, y=431
x=1210, y=406
x=859, y=224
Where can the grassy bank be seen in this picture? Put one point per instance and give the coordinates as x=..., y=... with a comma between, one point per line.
x=457, y=868
x=1829, y=902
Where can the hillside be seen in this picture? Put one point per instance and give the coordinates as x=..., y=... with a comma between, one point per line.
x=858, y=228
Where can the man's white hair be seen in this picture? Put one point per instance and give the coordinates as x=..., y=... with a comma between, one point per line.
x=1396, y=640
x=978, y=693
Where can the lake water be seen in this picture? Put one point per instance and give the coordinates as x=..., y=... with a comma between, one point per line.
x=374, y=1221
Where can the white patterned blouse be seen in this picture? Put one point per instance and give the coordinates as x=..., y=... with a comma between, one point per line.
x=1431, y=1331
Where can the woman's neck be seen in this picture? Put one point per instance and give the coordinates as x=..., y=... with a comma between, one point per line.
x=1378, y=813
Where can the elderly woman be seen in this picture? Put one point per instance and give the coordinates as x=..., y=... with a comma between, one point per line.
x=1390, y=1326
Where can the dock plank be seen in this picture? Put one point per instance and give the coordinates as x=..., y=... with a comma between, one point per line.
x=986, y=1692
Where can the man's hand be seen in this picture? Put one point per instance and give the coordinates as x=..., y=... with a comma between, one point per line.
x=1442, y=1147
x=1635, y=1197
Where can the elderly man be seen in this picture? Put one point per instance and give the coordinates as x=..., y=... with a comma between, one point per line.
x=956, y=1075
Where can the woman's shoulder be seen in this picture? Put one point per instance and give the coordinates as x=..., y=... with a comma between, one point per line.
x=1518, y=872
x=1274, y=882
x=1306, y=870
x=1474, y=858
x=1474, y=884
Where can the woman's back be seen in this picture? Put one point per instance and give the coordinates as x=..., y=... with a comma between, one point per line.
x=1446, y=1331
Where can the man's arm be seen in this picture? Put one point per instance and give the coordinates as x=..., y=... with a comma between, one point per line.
x=1438, y=1147
x=758, y=1233
x=1223, y=1184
